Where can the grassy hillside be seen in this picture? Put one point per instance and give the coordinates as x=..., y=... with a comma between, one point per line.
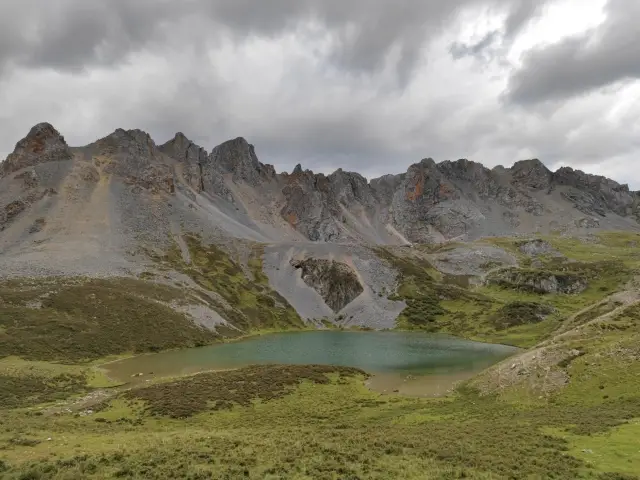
x=509, y=313
x=321, y=422
x=241, y=293
x=83, y=319
x=74, y=323
x=567, y=408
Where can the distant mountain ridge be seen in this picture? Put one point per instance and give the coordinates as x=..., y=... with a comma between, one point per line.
x=430, y=202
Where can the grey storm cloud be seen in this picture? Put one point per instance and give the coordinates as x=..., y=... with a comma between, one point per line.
x=597, y=58
x=366, y=85
x=77, y=34
x=484, y=48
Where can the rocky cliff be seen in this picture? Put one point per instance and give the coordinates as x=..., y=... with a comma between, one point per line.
x=336, y=282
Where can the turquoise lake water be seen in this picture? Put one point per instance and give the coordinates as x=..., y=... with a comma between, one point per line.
x=393, y=357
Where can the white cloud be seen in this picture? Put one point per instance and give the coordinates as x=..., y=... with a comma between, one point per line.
x=562, y=19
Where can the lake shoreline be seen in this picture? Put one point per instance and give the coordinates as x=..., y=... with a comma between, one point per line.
x=262, y=333
x=414, y=363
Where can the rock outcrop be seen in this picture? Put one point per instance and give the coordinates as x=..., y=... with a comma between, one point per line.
x=537, y=247
x=521, y=313
x=42, y=144
x=239, y=158
x=539, y=281
x=204, y=173
x=531, y=174
x=594, y=194
x=309, y=208
x=14, y=208
x=191, y=156
x=336, y=282
x=133, y=156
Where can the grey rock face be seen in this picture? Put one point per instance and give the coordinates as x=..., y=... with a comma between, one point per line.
x=324, y=208
x=535, y=248
x=199, y=169
x=14, y=208
x=191, y=156
x=384, y=188
x=336, y=282
x=427, y=200
x=313, y=203
x=477, y=182
x=593, y=194
x=587, y=222
x=457, y=199
x=133, y=156
x=43, y=144
x=472, y=261
x=346, y=188
x=305, y=207
x=531, y=174
x=239, y=158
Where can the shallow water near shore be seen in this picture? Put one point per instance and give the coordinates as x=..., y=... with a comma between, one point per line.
x=411, y=363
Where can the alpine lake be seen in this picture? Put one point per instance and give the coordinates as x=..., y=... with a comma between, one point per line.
x=408, y=363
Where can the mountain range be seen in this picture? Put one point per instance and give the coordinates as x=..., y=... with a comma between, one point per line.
x=108, y=208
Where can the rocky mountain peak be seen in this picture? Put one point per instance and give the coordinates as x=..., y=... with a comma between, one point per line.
x=238, y=156
x=464, y=169
x=135, y=158
x=385, y=187
x=578, y=178
x=347, y=187
x=343, y=174
x=42, y=144
x=180, y=137
x=532, y=174
x=136, y=134
x=594, y=194
x=191, y=156
x=532, y=163
x=178, y=142
x=184, y=150
x=129, y=143
x=428, y=163
x=431, y=202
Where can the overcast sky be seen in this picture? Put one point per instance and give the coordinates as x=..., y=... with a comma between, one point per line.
x=366, y=85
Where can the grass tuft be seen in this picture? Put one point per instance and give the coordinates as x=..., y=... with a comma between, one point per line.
x=221, y=390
